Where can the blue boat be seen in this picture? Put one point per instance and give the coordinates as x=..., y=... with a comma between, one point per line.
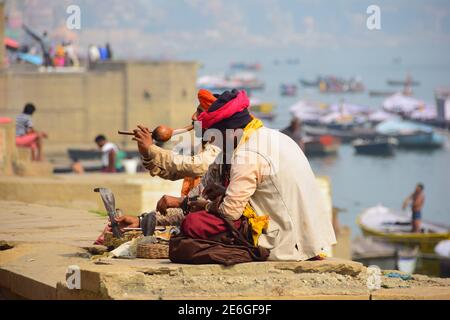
x=410, y=134
x=421, y=140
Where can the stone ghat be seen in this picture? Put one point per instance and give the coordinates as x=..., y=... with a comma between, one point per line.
x=38, y=243
x=37, y=271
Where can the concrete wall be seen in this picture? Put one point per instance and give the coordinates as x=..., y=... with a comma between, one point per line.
x=73, y=107
x=8, y=150
x=134, y=194
x=171, y=93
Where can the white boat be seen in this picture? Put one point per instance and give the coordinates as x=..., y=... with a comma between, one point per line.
x=404, y=105
x=395, y=226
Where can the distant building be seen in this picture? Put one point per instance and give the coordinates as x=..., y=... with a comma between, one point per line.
x=75, y=106
x=443, y=104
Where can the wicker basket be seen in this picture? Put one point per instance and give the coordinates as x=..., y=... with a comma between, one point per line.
x=112, y=242
x=152, y=251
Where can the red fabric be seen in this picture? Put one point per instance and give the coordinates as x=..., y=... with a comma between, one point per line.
x=5, y=120
x=326, y=140
x=203, y=225
x=28, y=140
x=205, y=98
x=236, y=105
x=11, y=43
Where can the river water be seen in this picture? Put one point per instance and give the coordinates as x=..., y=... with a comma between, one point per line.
x=360, y=181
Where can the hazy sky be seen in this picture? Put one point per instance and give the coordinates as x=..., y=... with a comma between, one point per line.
x=417, y=30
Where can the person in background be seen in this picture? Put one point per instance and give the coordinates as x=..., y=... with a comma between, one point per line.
x=417, y=200
x=46, y=47
x=103, y=53
x=71, y=54
x=111, y=155
x=77, y=167
x=93, y=54
x=26, y=135
x=109, y=51
x=294, y=131
x=59, y=58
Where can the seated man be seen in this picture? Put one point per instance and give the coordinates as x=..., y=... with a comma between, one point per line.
x=26, y=135
x=266, y=171
x=111, y=155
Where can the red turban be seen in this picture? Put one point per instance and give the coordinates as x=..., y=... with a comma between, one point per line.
x=230, y=107
x=205, y=98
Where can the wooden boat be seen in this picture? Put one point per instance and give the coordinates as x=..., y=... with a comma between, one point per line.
x=376, y=93
x=378, y=146
x=403, y=82
x=246, y=66
x=320, y=146
x=310, y=83
x=262, y=110
x=345, y=136
x=420, y=139
x=410, y=134
x=392, y=226
x=288, y=90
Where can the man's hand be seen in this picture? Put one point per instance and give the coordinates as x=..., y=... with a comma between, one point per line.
x=406, y=203
x=197, y=205
x=168, y=202
x=214, y=206
x=126, y=222
x=214, y=190
x=143, y=137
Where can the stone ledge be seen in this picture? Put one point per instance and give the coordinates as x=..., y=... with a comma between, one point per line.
x=338, y=266
x=421, y=293
x=37, y=271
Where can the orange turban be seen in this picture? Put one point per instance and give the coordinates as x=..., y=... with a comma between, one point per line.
x=205, y=98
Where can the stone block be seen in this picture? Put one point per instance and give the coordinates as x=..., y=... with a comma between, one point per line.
x=8, y=151
x=33, y=169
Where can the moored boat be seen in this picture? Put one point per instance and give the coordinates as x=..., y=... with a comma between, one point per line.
x=410, y=134
x=346, y=135
x=320, y=146
x=420, y=139
x=379, y=93
x=289, y=90
x=402, y=82
x=378, y=146
x=262, y=110
x=310, y=83
x=393, y=226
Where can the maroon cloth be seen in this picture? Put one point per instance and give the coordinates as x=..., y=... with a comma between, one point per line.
x=203, y=225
